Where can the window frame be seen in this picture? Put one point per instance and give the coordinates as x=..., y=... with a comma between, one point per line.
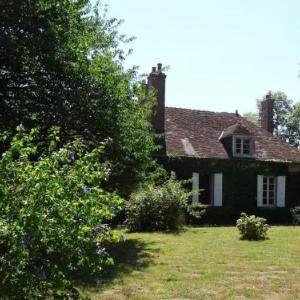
x=268, y=190
x=215, y=188
x=242, y=138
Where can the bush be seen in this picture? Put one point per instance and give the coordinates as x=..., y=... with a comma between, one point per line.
x=53, y=215
x=252, y=227
x=161, y=207
x=195, y=212
x=296, y=215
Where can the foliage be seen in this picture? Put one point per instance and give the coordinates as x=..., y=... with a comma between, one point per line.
x=195, y=212
x=286, y=118
x=252, y=117
x=61, y=65
x=294, y=125
x=296, y=214
x=252, y=227
x=53, y=215
x=160, y=207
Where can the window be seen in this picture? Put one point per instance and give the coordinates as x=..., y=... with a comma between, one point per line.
x=241, y=146
x=211, y=186
x=269, y=191
x=206, y=185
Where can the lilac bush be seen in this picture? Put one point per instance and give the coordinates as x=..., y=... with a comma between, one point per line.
x=53, y=215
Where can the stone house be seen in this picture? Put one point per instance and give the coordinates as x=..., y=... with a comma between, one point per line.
x=238, y=166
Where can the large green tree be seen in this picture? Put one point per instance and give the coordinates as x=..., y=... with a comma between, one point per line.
x=61, y=65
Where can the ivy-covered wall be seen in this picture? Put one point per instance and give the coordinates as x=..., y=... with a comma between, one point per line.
x=240, y=186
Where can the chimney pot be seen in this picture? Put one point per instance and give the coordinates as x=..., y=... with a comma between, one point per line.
x=269, y=95
x=159, y=66
x=153, y=69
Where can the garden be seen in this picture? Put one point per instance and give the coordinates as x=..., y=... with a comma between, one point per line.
x=85, y=209
x=203, y=263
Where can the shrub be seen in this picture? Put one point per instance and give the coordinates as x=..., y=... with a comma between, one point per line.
x=296, y=214
x=252, y=227
x=195, y=212
x=160, y=207
x=53, y=215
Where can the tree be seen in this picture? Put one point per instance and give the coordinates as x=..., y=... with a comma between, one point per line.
x=281, y=113
x=252, y=117
x=61, y=65
x=286, y=118
x=294, y=125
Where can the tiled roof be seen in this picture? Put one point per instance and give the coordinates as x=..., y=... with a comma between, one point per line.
x=195, y=133
x=236, y=129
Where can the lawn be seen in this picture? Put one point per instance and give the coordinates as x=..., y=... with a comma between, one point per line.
x=204, y=263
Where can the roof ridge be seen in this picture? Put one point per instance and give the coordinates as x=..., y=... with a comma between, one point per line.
x=199, y=110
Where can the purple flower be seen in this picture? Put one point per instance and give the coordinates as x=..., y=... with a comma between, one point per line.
x=72, y=157
x=42, y=275
x=85, y=188
x=28, y=241
x=97, y=229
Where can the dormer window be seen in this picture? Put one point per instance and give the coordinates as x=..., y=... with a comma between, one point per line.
x=242, y=146
x=238, y=141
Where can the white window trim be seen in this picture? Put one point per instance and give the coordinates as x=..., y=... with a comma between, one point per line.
x=218, y=190
x=242, y=137
x=279, y=191
x=268, y=191
x=216, y=187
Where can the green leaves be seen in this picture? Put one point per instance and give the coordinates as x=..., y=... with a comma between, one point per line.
x=161, y=207
x=252, y=227
x=286, y=119
x=61, y=65
x=53, y=215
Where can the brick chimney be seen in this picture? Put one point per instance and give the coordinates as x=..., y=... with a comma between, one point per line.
x=157, y=80
x=266, y=113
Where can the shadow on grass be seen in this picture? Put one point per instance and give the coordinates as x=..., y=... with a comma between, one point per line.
x=129, y=256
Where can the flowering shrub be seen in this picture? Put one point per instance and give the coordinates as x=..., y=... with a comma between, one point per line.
x=162, y=207
x=296, y=214
x=252, y=227
x=53, y=216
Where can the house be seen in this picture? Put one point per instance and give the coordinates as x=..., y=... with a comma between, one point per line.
x=240, y=167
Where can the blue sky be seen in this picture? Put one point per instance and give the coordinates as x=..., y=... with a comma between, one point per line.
x=223, y=54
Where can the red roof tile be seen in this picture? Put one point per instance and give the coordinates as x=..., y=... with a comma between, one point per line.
x=195, y=133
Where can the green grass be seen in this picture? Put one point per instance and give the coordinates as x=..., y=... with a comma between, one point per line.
x=203, y=263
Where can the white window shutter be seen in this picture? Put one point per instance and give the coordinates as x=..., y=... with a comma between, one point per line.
x=218, y=189
x=260, y=180
x=281, y=191
x=196, y=187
